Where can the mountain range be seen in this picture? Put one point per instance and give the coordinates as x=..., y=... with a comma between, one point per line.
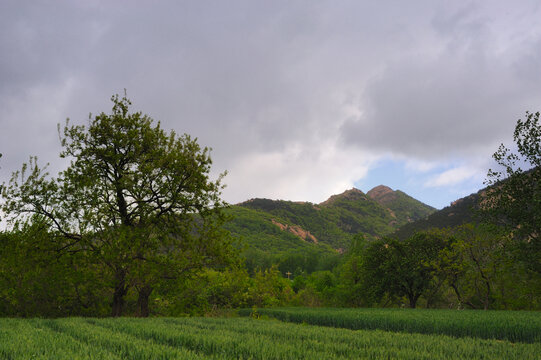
x=279, y=226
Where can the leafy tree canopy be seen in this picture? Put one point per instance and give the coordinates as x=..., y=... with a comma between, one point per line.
x=403, y=268
x=514, y=199
x=135, y=198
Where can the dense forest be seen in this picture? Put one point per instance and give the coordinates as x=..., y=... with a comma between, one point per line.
x=135, y=226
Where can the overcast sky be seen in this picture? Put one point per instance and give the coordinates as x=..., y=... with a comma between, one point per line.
x=298, y=99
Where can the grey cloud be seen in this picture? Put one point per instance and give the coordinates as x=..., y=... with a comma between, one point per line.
x=224, y=73
x=268, y=76
x=464, y=98
x=41, y=43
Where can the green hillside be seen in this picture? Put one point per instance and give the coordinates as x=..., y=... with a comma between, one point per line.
x=459, y=212
x=258, y=229
x=404, y=207
x=278, y=226
x=266, y=241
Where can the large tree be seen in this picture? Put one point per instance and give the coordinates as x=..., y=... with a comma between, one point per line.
x=403, y=268
x=136, y=199
x=514, y=198
x=474, y=264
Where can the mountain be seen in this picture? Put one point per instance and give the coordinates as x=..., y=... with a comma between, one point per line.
x=457, y=213
x=277, y=226
x=462, y=211
x=404, y=207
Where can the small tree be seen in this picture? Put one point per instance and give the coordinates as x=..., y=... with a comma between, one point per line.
x=351, y=289
x=514, y=199
x=135, y=199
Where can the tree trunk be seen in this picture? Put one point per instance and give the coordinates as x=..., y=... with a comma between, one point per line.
x=486, y=295
x=120, y=291
x=486, y=302
x=413, y=300
x=142, y=300
x=432, y=295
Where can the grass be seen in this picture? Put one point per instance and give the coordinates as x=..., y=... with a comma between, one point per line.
x=233, y=338
x=514, y=326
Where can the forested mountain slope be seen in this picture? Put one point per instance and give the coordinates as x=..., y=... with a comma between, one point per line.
x=277, y=225
x=457, y=213
x=404, y=207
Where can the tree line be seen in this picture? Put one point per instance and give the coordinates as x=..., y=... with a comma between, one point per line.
x=135, y=226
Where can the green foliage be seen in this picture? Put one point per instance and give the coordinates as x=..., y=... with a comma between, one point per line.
x=496, y=266
x=460, y=212
x=270, y=288
x=403, y=268
x=135, y=223
x=515, y=326
x=408, y=209
x=479, y=266
x=238, y=338
x=256, y=223
x=257, y=231
x=36, y=279
x=359, y=216
x=211, y=292
x=135, y=200
x=208, y=292
x=332, y=222
x=514, y=200
x=304, y=215
x=316, y=289
x=351, y=290
x=471, y=266
x=264, y=244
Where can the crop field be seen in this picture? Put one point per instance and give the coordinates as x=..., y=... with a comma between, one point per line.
x=235, y=338
x=515, y=326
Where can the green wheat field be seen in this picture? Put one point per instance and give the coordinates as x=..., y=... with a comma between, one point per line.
x=292, y=333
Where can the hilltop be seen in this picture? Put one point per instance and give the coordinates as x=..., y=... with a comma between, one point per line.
x=404, y=207
x=278, y=226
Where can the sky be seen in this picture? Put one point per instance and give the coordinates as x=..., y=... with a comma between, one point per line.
x=299, y=100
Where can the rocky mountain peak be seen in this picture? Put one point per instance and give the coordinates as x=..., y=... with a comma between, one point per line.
x=379, y=192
